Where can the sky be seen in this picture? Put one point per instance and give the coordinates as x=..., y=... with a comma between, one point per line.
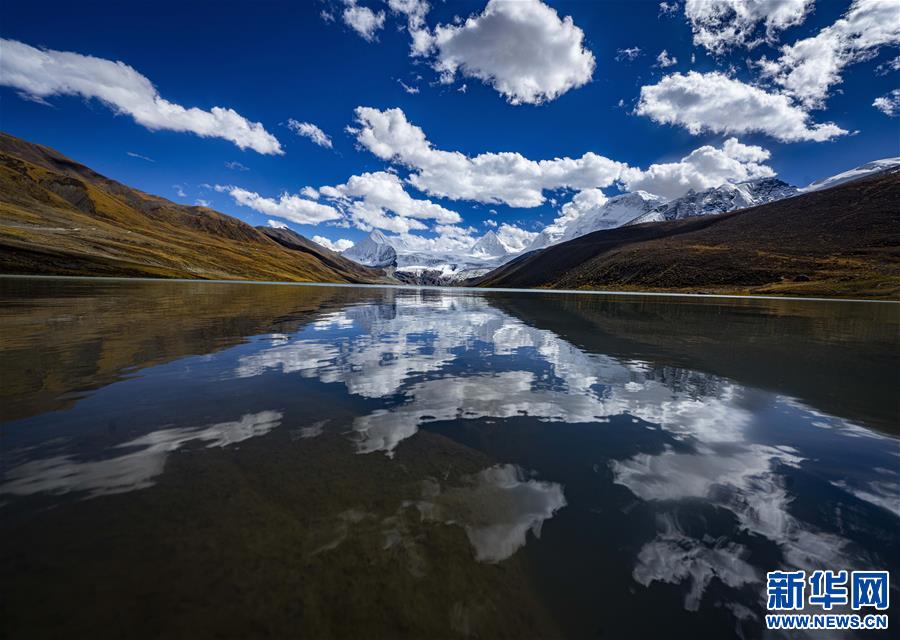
x=443, y=120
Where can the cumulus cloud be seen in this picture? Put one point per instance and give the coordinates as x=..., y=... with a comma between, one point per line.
x=704, y=168
x=664, y=60
x=714, y=102
x=809, y=68
x=523, y=49
x=514, y=238
x=363, y=20
x=287, y=206
x=506, y=177
x=719, y=25
x=378, y=200
x=341, y=244
x=311, y=131
x=276, y=224
x=40, y=74
x=515, y=180
x=889, y=104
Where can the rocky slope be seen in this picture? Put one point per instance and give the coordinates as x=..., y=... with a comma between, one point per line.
x=722, y=199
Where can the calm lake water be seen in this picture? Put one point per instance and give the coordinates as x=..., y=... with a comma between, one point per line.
x=237, y=460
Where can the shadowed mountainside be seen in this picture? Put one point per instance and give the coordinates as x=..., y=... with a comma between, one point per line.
x=58, y=217
x=838, y=242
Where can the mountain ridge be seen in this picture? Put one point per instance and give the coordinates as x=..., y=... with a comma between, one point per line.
x=60, y=217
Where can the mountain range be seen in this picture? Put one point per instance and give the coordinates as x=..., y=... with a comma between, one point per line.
x=838, y=236
x=842, y=241
x=411, y=265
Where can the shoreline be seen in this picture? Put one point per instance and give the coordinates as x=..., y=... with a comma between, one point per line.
x=663, y=294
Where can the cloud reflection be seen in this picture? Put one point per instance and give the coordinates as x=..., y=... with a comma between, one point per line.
x=142, y=460
x=497, y=508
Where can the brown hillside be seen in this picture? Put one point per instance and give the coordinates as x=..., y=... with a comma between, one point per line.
x=58, y=217
x=842, y=242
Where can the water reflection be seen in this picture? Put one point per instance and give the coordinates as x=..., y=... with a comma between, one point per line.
x=416, y=433
x=497, y=507
x=141, y=460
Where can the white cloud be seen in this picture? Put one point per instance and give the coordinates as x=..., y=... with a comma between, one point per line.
x=139, y=156
x=276, y=224
x=236, y=166
x=287, y=206
x=720, y=25
x=408, y=88
x=179, y=191
x=490, y=223
x=703, y=168
x=414, y=10
x=668, y=8
x=890, y=65
x=582, y=203
x=513, y=237
x=714, y=102
x=421, y=39
x=507, y=177
x=664, y=60
x=809, y=68
x=341, y=244
x=370, y=198
x=363, y=20
x=311, y=131
x=522, y=49
x=39, y=74
x=200, y=202
x=629, y=54
x=889, y=104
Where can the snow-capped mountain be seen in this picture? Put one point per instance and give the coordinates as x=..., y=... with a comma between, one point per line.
x=425, y=267
x=870, y=168
x=721, y=199
x=490, y=246
x=375, y=250
x=613, y=213
x=549, y=235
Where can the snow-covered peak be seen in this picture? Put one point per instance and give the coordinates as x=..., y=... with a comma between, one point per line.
x=613, y=213
x=375, y=250
x=868, y=169
x=489, y=246
x=721, y=199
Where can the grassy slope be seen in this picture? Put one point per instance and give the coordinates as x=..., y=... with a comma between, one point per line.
x=59, y=217
x=842, y=242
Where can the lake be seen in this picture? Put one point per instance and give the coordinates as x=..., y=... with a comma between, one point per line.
x=189, y=459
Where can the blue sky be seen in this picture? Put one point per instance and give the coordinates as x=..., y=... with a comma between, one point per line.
x=275, y=62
